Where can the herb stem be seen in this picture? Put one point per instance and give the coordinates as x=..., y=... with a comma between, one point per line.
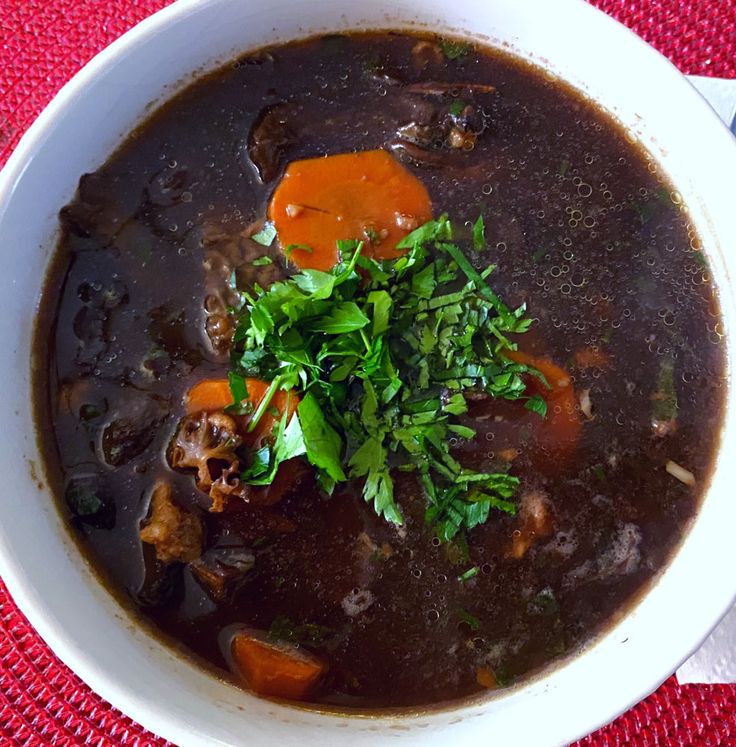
x=263, y=404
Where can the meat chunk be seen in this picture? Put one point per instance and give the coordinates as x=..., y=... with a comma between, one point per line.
x=175, y=533
x=92, y=321
x=535, y=520
x=228, y=255
x=222, y=569
x=130, y=432
x=271, y=133
x=441, y=118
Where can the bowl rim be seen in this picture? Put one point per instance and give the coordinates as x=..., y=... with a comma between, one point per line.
x=157, y=717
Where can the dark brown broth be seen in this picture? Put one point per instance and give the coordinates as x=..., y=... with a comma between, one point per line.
x=582, y=228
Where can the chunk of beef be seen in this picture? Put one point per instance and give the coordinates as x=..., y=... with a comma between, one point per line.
x=131, y=429
x=176, y=534
x=221, y=570
x=440, y=118
x=622, y=556
x=272, y=132
x=92, y=320
x=100, y=209
x=231, y=254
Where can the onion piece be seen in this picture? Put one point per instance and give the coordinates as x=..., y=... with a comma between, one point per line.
x=586, y=406
x=680, y=473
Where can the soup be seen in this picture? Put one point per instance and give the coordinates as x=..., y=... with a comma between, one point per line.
x=379, y=369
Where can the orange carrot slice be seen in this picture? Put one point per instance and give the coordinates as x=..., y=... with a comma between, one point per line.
x=347, y=196
x=485, y=678
x=208, y=395
x=215, y=394
x=276, y=669
x=561, y=428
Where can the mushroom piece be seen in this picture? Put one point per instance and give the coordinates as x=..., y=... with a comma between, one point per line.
x=206, y=442
x=175, y=533
x=131, y=429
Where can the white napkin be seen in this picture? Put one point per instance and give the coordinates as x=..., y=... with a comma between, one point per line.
x=715, y=661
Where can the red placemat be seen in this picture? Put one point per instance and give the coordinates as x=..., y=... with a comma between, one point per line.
x=42, y=44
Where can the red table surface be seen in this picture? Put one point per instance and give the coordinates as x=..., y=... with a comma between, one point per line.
x=42, y=44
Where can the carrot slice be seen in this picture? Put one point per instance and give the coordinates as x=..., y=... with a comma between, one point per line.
x=347, y=196
x=215, y=394
x=561, y=428
x=209, y=395
x=485, y=678
x=276, y=669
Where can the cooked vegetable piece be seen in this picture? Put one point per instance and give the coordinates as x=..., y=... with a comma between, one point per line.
x=485, y=678
x=559, y=432
x=277, y=669
x=367, y=194
x=216, y=394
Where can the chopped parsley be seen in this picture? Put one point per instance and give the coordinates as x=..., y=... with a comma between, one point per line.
x=470, y=620
x=266, y=235
x=261, y=261
x=479, y=234
x=283, y=629
x=470, y=573
x=380, y=355
x=456, y=107
x=453, y=49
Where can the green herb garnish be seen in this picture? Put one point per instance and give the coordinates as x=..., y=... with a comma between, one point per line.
x=262, y=261
x=310, y=634
x=380, y=354
x=266, y=235
x=470, y=573
x=479, y=234
x=456, y=107
x=664, y=399
x=471, y=620
x=454, y=50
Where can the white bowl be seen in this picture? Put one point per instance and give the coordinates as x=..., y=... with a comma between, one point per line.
x=42, y=566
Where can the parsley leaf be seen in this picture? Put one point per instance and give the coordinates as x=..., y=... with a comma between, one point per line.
x=470, y=573
x=479, y=234
x=266, y=235
x=470, y=620
x=380, y=353
x=453, y=49
x=262, y=261
x=323, y=444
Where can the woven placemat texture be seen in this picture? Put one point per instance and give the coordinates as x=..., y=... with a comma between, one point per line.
x=42, y=44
